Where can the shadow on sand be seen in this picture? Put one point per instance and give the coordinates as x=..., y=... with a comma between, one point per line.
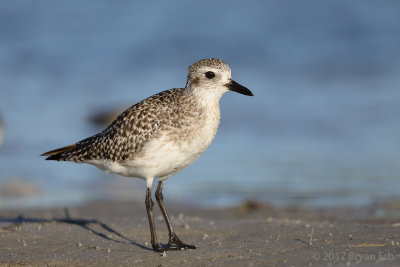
x=86, y=224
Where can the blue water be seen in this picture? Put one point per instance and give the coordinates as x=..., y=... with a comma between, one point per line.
x=322, y=129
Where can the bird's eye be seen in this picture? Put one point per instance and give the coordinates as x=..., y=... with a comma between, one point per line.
x=210, y=74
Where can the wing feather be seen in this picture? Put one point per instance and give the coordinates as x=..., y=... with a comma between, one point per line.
x=125, y=136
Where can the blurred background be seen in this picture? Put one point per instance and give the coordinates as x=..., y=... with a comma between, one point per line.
x=322, y=129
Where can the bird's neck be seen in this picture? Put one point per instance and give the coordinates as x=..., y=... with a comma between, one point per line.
x=208, y=118
x=205, y=96
x=207, y=101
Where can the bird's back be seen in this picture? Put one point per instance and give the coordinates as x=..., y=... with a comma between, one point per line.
x=125, y=137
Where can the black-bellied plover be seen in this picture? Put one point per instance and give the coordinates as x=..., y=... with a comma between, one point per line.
x=160, y=136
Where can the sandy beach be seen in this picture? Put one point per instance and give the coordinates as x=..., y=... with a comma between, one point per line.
x=108, y=233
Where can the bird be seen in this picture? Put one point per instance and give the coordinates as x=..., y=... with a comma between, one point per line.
x=160, y=136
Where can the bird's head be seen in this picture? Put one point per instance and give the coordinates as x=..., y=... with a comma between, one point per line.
x=212, y=76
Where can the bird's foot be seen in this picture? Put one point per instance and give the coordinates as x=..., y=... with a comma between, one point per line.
x=158, y=248
x=174, y=243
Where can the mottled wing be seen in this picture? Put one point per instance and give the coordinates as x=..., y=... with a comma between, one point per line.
x=126, y=135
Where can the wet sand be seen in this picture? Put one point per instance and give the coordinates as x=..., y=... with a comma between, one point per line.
x=108, y=233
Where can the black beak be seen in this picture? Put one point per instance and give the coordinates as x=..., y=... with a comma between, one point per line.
x=234, y=86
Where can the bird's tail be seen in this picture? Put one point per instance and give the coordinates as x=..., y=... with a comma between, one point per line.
x=57, y=154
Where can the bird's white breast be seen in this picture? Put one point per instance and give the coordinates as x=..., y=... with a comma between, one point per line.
x=171, y=150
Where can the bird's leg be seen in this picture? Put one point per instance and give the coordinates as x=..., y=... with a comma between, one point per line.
x=174, y=243
x=149, y=208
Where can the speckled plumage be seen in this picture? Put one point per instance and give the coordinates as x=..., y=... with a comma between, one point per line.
x=160, y=136
x=181, y=122
x=215, y=63
x=129, y=132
